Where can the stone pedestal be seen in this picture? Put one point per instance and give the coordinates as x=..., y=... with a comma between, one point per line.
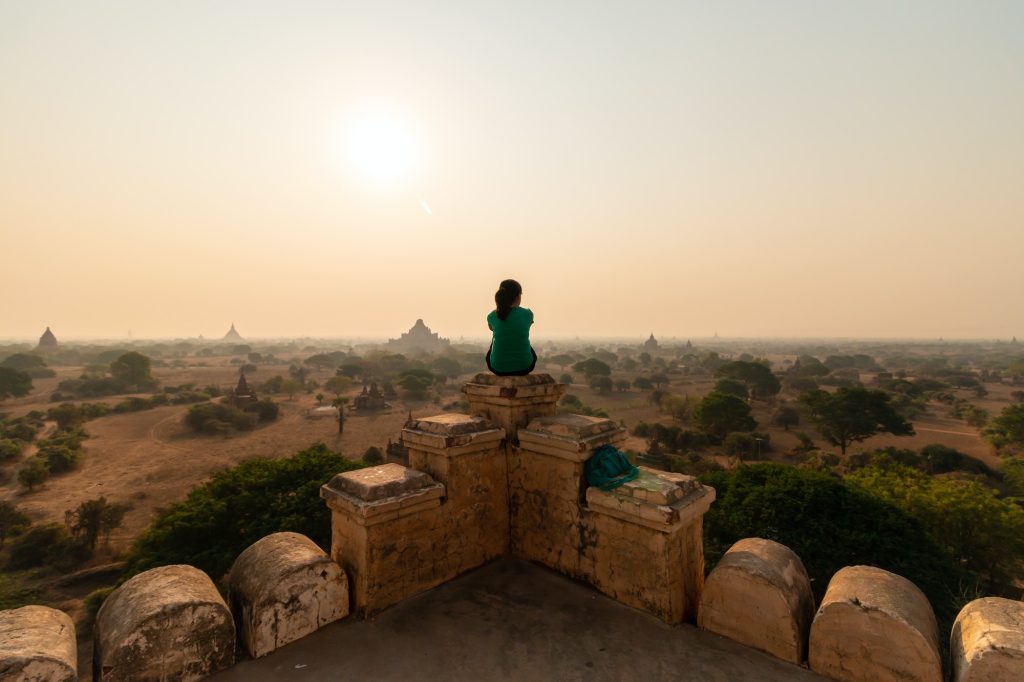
x=387, y=530
x=467, y=455
x=547, y=488
x=987, y=643
x=37, y=643
x=512, y=402
x=640, y=544
x=648, y=549
x=874, y=626
x=168, y=623
x=284, y=587
x=759, y=595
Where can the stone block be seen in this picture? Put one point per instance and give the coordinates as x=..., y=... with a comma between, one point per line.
x=570, y=436
x=284, y=587
x=37, y=644
x=168, y=623
x=511, y=402
x=874, y=626
x=381, y=493
x=375, y=483
x=633, y=503
x=987, y=642
x=759, y=595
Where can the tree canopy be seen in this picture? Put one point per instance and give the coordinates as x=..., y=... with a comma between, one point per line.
x=852, y=415
x=719, y=414
x=238, y=506
x=14, y=383
x=132, y=369
x=757, y=377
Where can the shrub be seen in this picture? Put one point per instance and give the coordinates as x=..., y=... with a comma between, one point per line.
x=238, y=506
x=9, y=449
x=373, y=456
x=22, y=429
x=48, y=544
x=220, y=418
x=565, y=378
x=265, y=410
x=740, y=445
x=33, y=473
x=59, y=458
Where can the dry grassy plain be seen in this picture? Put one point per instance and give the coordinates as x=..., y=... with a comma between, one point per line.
x=150, y=459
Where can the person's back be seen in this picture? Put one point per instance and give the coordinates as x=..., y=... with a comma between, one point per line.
x=510, y=352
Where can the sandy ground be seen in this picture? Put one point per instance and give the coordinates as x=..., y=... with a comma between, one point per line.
x=150, y=459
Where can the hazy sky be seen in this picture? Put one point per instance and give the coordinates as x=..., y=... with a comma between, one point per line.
x=751, y=168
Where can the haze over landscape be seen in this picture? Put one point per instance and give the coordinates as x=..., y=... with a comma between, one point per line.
x=753, y=169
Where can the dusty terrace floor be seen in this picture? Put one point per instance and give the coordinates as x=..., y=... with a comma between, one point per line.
x=512, y=620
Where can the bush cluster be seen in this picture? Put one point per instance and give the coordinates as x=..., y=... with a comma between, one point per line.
x=223, y=418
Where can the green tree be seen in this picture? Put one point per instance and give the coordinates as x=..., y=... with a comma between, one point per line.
x=10, y=519
x=719, y=414
x=643, y=383
x=32, y=365
x=659, y=379
x=14, y=383
x=338, y=384
x=786, y=416
x=758, y=377
x=9, y=449
x=602, y=384
x=132, y=369
x=622, y=385
x=852, y=415
x=979, y=530
x=592, y=367
x=95, y=518
x=829, y=524
x=237, y=507
x=446, y=367
x=563, y=360
x=373, y=456
x=33, y=473
x=59, y=458
x=1008, y=427
x=291, y=387
x=732, y=387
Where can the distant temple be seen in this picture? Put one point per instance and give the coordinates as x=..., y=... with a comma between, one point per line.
x=419, y=338
x=233, y=335
x=242, y=395
x=47, y=340
x=651, y=343
x=371, y=399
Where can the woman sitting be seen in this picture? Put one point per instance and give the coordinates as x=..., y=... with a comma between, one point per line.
x=510, y=354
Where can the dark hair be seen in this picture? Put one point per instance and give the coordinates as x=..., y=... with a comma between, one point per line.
x=508, y=291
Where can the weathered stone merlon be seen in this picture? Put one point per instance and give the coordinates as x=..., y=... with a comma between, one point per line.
x=570, y=436
x=37, y=643
x=381, y=493
x=284, y=587
x=511, y=402
x=168, y=623
x=759, y=595
x=987, y=643
x=654, y=501
x=874, y=626
x=452, y=434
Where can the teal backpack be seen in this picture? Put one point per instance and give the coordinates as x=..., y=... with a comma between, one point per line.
x=609, y=468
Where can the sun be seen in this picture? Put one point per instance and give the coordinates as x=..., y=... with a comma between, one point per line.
x=381, y=148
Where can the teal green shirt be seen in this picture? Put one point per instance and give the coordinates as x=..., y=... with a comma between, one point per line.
x=510, y=349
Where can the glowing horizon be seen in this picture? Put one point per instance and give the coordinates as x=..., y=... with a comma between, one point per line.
x=790, y=170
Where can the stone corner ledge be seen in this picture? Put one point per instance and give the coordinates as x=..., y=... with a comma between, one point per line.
x=665, y=518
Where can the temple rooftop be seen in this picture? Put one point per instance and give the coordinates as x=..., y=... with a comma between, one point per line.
x=513, y=620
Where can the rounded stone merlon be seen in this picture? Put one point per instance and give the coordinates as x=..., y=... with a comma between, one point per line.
x=37, y=643
x=759, y=595
x=874, y=626
x=987, y=642
x=166, y=623
x=284, y=587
